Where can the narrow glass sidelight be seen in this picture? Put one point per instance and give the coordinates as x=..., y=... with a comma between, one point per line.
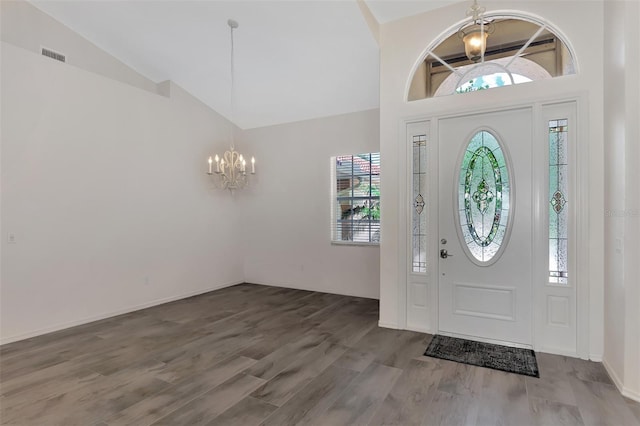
x=484, y=194
x=419, y=210
x=558, y=208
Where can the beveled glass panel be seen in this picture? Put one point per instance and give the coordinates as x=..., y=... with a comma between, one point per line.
x=553, y=223
x=419, y=204
x=558, y=201
x=506, y=197
x=483, y=198
x=553, y=148
x=491, y=250
x=562, y=146
x=416, y=156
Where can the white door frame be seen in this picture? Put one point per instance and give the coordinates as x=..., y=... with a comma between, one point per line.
x=579, y=265
x=507, y=318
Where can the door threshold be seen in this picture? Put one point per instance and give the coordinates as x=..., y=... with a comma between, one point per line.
x=485, y=340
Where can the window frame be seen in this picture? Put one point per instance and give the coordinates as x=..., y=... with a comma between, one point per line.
x=335, y=226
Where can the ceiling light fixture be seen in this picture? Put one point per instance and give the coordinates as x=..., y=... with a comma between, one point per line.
x=474, y=35
x=231, y=169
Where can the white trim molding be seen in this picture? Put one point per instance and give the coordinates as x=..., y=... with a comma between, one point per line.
x=87, y=320
x=576, y=106
x=625, y=391
x=388, y=325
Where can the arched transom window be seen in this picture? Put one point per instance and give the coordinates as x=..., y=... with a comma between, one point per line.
x=518, y=50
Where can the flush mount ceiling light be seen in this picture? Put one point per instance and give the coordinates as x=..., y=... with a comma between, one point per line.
x=231, y=169
x=474, y=34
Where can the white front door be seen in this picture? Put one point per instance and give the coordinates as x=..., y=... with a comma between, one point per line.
x=485, y=226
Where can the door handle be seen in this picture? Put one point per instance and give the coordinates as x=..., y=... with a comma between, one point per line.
x=444, y=254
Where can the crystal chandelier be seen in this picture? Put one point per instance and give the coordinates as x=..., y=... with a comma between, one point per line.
x=474, y=35
x=231, y=169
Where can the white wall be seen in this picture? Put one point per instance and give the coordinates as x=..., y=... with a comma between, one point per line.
x=622, y=194
x=631, y=385
x=403, y=44
x=26, y=26
x=104, y=187
x=286, y=212
x=614, y=156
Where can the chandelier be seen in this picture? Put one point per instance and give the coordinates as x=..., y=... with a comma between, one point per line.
x=231, y=169
x=474, y=35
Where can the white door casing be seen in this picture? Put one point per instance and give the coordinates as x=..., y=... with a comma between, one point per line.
x=427, y=297
x=557, y=322
x=487, y=300
x=421, y=268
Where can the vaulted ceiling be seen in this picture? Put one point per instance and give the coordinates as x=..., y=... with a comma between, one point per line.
x=294, y=60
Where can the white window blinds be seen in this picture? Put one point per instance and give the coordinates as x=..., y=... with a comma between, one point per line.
x=356, y=198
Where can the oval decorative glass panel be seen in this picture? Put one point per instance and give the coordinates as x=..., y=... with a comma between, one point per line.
x=483, y=198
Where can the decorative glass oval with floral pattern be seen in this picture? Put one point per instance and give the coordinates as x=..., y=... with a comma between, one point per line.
x=484, y=198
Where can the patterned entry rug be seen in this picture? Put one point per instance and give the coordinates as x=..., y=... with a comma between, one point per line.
x=505, y=358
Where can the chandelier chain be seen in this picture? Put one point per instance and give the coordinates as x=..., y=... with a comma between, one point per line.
x=232, y=25
x=476, y=11
x=231, y=167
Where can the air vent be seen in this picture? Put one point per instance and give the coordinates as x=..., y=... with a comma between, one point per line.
x=54, y=55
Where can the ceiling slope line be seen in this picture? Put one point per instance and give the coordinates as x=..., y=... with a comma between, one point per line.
x=372, y=22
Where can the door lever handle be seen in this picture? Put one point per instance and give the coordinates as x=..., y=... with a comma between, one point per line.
x=444, y=254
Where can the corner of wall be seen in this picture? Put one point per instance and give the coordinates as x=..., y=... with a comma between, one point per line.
x=164, y=88
x=372, y=22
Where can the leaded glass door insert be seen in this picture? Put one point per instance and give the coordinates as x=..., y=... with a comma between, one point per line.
x=484, y=192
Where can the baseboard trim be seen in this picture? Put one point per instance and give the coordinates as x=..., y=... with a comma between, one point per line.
x=619, y=384
x=613, y=375
x=596, y=357
x=556, y=351
x=87, y=320
x=388, y=325
x=631, y=394
x=309, y=288
x=419, y=329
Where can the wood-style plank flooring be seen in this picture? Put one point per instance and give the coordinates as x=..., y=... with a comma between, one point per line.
x=251, y=355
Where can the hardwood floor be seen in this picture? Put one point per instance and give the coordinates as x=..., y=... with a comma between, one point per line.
x=250, y=355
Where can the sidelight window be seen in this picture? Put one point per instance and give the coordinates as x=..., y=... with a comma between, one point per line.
x=558, y=208
x=419, y=210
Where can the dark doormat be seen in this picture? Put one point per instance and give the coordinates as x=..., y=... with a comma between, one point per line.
x=498, y=357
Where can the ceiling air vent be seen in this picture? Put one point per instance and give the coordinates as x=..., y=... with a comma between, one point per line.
x=54, y=55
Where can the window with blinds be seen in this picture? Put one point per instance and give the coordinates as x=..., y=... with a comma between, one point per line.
x=356, y=198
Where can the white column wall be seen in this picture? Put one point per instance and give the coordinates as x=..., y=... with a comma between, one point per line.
x=622, y=221
x=632, y=234
x=614, y=157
